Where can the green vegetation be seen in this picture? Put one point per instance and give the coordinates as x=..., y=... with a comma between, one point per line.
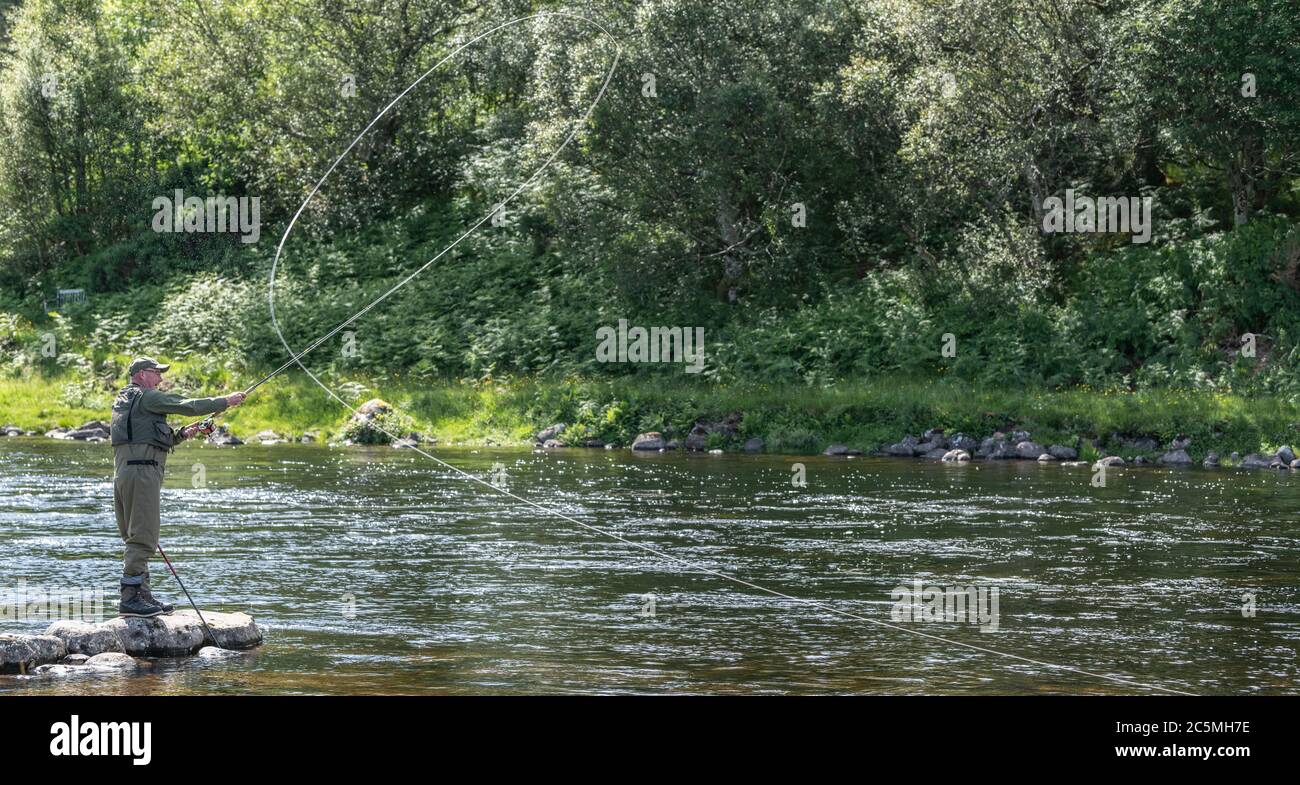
x=919, y=139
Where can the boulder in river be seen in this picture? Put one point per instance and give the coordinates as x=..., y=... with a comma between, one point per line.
x=937, y=437
x=956, y=456
x=11, y=430
x=1029, y=450
x=93, y=431
x=171, y=635
x=651, y=440
x=929, y=446
x=936, y=454
x=905, y=448
x=1176, y=458
x=1255, y=461
x=269, y=437
x=1286, y=454
x=961, y=441
x=1062, y=453
x=58, y=433
x=1108, y=461
x=222, y=437
x=22, y=653
x=1211, y=460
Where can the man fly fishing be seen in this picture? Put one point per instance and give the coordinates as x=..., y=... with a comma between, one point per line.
x=141, y=441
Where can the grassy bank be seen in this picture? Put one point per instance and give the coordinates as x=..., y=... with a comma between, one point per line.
x=867, y=414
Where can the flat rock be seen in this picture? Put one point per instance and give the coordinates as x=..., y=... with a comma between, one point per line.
x=19, y=653
x=841, y=450
x=172, y=635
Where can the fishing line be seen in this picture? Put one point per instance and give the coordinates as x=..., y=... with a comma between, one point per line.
x=296, y=358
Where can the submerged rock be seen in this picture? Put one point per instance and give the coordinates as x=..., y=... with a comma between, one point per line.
x=841, y=450
x=171, y=635
x=213, y=653
x=110, y=661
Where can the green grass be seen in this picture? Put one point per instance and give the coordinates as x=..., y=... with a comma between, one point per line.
x=867, y=414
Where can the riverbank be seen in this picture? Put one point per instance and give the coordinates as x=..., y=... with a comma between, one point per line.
x=867, y=415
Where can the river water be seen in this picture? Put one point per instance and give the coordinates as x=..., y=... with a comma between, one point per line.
x=374, y=570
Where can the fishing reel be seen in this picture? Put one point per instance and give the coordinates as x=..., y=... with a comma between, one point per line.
x=205, y=427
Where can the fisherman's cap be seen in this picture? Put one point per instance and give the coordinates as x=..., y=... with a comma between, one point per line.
x=144, y=364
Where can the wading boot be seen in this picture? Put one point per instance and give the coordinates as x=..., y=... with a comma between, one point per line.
x=134, y=604
x=148, y=596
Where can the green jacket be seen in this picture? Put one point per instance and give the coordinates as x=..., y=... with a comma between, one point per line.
x=140, y=415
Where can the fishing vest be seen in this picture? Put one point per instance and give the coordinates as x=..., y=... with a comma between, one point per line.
x=134, y=424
